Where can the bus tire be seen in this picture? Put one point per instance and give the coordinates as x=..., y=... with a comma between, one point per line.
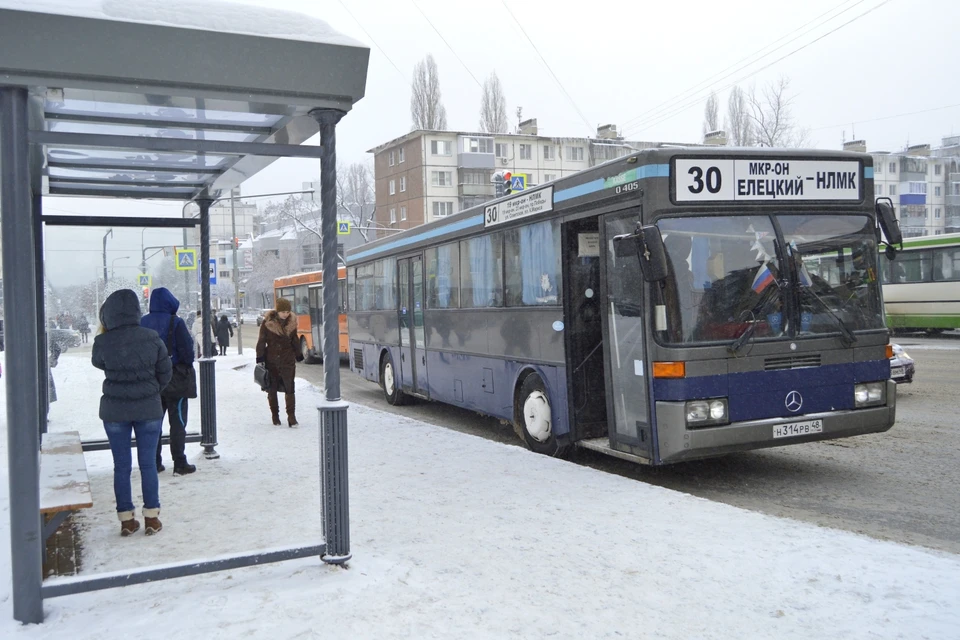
x=308, y=357
x=533, y=418
x=389, y=382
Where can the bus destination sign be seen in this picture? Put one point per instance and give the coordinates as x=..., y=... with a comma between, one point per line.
x=705, y=179
x=529, y=204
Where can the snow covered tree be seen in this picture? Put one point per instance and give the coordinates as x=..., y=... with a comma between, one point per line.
x=771, y=115
x=426, y=107
x=493, y=106
x=738, y=123
x=711, y=114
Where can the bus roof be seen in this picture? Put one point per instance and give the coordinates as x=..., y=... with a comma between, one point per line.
x=946, y=239
x=595, y=181
x=310, y=277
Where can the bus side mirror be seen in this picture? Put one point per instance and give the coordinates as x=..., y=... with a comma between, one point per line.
x=887, y=220
x=647, y=245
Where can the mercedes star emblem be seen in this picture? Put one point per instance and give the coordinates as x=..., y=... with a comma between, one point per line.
x=794, y=401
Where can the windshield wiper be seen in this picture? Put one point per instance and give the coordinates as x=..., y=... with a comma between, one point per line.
x=760, y=310
x=847, y=336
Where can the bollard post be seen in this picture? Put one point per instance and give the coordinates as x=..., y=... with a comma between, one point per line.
x=333, y=412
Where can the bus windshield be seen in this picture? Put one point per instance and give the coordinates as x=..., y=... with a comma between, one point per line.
x=734, y=273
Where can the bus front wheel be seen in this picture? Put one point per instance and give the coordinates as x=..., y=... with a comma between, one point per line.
x=533, y=418
x=390, y=383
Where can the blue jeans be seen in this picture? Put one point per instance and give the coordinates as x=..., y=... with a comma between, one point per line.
x=148, y=436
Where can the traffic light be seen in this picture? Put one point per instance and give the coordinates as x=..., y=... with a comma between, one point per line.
x=146, y=293
x=506, y=183
x=236, y=242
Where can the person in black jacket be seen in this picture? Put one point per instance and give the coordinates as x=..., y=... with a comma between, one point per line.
x=163, y=310
x=224, y=333
x=136, y=367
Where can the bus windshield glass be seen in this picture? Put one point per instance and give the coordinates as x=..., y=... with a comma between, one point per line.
x=836, y=267
x=732, y=274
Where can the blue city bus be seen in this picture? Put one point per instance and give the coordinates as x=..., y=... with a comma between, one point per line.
x=660, y=307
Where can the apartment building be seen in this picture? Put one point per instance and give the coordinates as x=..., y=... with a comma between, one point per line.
x=923, y=183
x=426, y=175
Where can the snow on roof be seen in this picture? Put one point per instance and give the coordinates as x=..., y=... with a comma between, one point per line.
x=208, y=15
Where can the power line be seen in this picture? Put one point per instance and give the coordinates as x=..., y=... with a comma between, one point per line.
x=542, y=59
x=695, y=102
x=899, y=115
x=657, y=109
x=373, y=41
x=446, y=43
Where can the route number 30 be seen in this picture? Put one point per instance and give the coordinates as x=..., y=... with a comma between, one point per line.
x=711, y=180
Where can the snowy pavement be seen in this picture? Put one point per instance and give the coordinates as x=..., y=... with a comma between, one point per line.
x=455, y=536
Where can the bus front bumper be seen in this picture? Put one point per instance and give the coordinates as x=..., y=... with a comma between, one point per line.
x=677, y=443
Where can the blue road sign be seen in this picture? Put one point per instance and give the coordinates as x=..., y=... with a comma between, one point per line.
x=518, y=183
x=343, y=228
x=186, y=259
x=213, y=272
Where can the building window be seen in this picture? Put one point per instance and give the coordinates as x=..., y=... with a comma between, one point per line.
x=393, y=187
x=956, y=188
x=223, y=261
x=440, y=147
x=936, y=191
x=478, y=145
x=893, y=167
x=392, y=158
x=575, y=153
x=502, y=150
x=310, y=253
x=224, y=274
x=402, y=155
x=475, y=177
x=892, y=189
x=917, y=187
x=403, y=213
x=936, y=213
x=403, y=183
x=549, y=152
x=548, y=177
x=936, y=169
x=878, y=166
x=526, y=151
x=442, y=209
x=926, y=213
x=442, y=178
x=393, y=215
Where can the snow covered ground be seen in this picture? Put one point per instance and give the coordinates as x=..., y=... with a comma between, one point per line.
x=458, y=537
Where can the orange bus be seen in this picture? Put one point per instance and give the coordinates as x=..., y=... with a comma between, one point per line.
x=305, y=293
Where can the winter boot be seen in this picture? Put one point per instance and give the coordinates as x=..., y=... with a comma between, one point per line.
x=274, y=407
x=185, y=469
x=291, y=400
x=128, y=524
x=151, y=521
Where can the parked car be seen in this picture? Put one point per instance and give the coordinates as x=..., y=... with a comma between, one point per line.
x=260, y=316
x=249, y=316
x=231, y=316
x=66, y=338
x=902, y=366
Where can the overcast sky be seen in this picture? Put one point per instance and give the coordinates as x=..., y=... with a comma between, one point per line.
x=619, y=61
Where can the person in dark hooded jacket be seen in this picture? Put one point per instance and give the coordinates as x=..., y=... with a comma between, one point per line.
x=224, y=333
x=163, y=309
x=136, y=367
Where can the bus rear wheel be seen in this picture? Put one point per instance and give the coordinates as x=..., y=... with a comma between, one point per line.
x=533, y=418
x=308, y=357
x=390, y=382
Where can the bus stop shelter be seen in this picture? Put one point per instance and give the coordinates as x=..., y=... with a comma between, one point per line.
x=113, y=101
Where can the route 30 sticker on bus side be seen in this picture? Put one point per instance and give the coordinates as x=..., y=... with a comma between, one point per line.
x=705, y=179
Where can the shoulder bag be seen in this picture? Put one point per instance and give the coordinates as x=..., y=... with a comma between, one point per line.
x=183, y=384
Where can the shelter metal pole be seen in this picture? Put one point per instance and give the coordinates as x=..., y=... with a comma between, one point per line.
x=334, y=489
x=43, y=361
x=22, y=347
x=236, y=275
x=208, y=373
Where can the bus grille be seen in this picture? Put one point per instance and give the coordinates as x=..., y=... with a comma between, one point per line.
x=358, y=359
x=792, y=362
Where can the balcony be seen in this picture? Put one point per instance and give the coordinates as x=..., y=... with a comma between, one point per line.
x=485, y=190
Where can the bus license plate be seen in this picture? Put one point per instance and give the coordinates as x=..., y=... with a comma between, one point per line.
x=797, y=429
x=896, y=372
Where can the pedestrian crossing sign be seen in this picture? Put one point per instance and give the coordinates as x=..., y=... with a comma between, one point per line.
x=186, y=259
x=518, y=183
x=144, y=280
x=343, y=227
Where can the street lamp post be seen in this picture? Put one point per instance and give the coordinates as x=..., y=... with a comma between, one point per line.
x=110, y=234
x=114, y=262
x=236, y=273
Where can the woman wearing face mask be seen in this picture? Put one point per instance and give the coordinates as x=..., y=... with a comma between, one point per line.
x=278, y=347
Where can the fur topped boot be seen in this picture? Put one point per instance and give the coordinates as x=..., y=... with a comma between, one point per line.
x=151, y=521
x=128, y=523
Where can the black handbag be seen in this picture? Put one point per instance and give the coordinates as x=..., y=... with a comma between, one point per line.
x=262, y=377
x=183, y=383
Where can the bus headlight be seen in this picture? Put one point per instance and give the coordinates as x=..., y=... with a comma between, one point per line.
x=869, y=394
x=701, y=413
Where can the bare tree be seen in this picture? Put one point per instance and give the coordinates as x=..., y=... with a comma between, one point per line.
x=355, y=196
x=267, y=267
x=738, y=123
x=493, y=106
x=771, y=115
x=426, y=107
x=711, y=114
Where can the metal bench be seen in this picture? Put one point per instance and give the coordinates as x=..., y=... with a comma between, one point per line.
x=64, y=484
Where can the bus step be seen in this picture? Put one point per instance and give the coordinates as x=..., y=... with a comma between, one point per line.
x=602, y=445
